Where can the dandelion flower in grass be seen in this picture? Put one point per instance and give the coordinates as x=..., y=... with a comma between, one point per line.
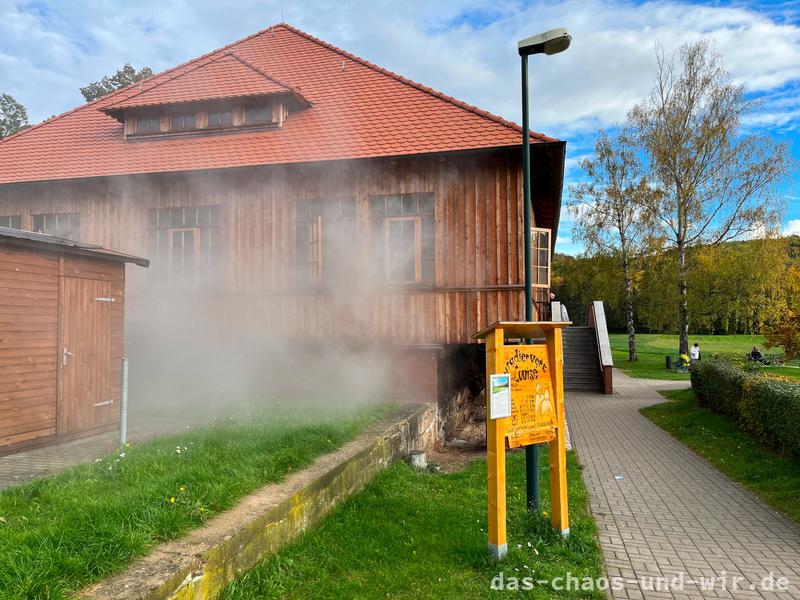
x=544, y=512
x=172, y=500
x=182, y=488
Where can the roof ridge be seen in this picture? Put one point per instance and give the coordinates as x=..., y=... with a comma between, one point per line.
x=127, y=87
x=424, y=88
x=263, y=73
x=193, y=68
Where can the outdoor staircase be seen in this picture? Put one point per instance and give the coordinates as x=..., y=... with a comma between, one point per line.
x=581, y=359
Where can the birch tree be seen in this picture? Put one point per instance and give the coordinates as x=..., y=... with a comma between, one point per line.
x=609, y=214
x=717, y=184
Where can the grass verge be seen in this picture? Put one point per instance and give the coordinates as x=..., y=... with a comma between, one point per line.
x=774, y=478
x=61, y=533
x=422, y=535
x=653, y=348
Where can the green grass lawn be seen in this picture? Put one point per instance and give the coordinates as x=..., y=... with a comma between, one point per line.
x=774, y=478
x=423, y=535
x=63, y=532
x=652, y=349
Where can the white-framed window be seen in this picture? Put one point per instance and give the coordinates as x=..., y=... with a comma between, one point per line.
x=184, y=244
x=403, y=238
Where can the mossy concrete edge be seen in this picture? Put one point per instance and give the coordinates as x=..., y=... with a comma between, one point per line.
x=201, y=565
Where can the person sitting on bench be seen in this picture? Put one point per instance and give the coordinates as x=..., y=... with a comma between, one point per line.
x=756, y=356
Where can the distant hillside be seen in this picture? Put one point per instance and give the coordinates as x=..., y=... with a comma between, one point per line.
x=735, y=287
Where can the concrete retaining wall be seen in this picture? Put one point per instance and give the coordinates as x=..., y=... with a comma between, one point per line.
x=203, y=563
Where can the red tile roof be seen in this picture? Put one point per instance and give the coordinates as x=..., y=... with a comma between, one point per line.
x=359, y=110
x=226, y=76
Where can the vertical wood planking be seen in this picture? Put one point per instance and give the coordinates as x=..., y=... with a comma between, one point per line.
x=477, y=223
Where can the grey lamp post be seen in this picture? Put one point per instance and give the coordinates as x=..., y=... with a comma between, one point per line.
x=549, y=42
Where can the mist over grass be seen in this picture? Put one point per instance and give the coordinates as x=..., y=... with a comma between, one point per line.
x=61, y=533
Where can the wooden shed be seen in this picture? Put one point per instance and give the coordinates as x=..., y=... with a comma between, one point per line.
x=61, y=337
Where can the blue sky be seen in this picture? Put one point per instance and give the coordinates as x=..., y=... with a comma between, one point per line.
x=466, y=48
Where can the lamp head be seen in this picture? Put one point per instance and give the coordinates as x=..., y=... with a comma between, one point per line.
x=549, y=42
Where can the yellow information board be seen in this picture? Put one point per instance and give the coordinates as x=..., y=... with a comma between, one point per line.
x=533, y=412
x=537, y=414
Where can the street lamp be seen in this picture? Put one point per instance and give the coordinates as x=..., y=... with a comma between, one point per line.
x=549, y=42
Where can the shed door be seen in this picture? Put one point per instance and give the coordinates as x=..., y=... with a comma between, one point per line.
x=85, y=399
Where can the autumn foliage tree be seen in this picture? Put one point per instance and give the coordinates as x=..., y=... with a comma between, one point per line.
x=785, y=331
x=716, y=183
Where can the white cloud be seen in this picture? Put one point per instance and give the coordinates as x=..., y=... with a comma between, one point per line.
x=792, y=227
x=47, y=53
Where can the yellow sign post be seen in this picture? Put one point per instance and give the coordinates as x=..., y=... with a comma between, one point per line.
x=537, y=414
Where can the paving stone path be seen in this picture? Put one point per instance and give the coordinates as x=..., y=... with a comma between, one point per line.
x=663, y=511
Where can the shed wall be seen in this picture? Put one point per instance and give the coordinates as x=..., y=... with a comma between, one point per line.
x=33, y=407
x=29, y=296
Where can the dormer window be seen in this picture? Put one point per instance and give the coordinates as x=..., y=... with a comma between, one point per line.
x=220, y=118
x=256, y=114
x=221, y=95
x=184, y=121
x=148, y=123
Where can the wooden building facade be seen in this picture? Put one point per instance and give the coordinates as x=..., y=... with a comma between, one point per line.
x=250, y=244
x=293, y=188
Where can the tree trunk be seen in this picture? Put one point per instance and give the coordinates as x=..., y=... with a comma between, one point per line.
x=626, y=271
x=684, y=301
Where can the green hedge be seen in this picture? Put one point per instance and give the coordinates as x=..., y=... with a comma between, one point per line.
x=766, y=407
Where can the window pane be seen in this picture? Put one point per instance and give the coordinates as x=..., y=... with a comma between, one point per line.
x=14, y=221
x=426, y=204
x=393, y=206
x=544, y=242
x=378, y=205
x=257, y=114
x=409, y=204
x=542, y=259
x=409, y=250
x=188, y=253
x=203, y=216
x=378, y=248
x=428, y=238
x=183, y=121
x=395, y=249
x=190, y=216
x=542, y=276
x=38, y=223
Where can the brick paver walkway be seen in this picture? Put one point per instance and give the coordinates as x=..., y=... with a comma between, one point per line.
x=663, y=511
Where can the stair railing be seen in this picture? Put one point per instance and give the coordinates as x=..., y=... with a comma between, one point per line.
x=597, y=320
